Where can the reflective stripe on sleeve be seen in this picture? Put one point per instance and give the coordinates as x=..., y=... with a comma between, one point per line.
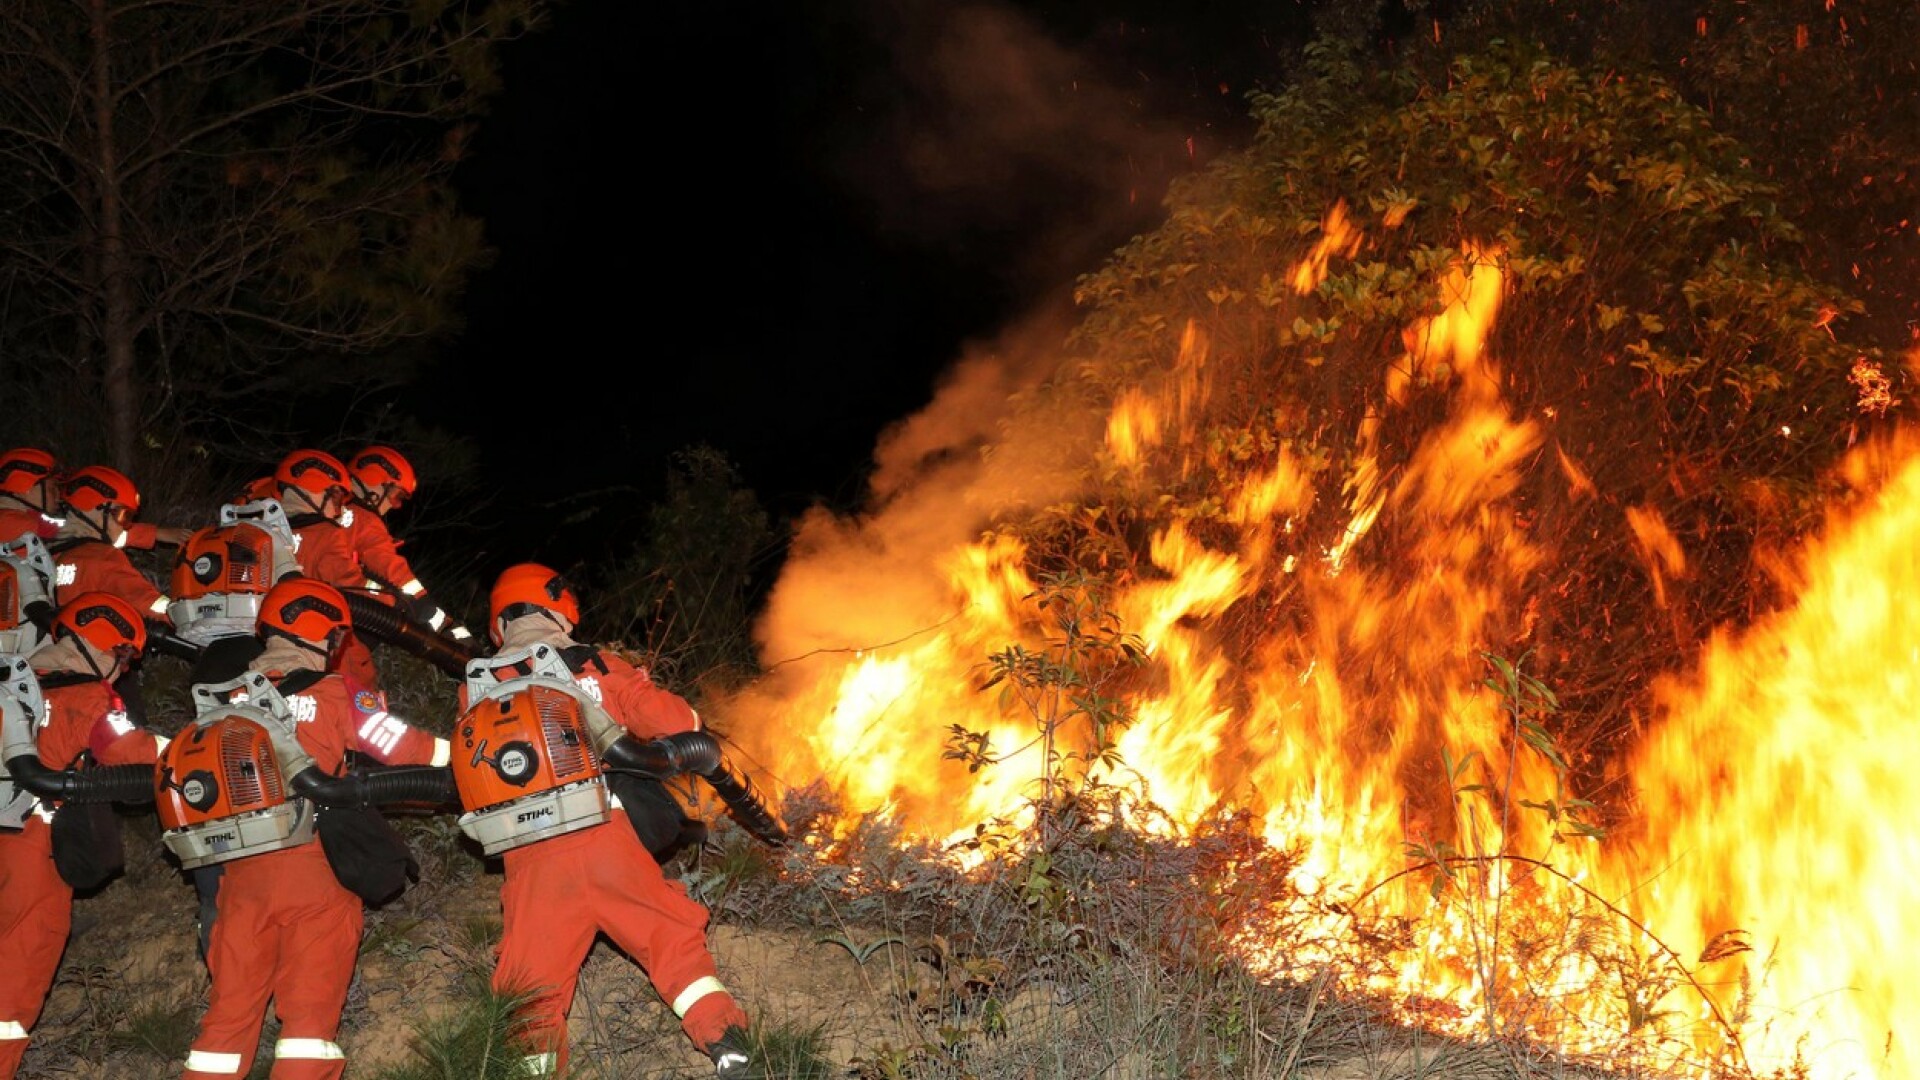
x=413, y=588
x=382, y=731
x=208, y=1062
x=442, y=752
x=159, y=607
x=12, y=1029
x=696, y=990
x=308, y=1050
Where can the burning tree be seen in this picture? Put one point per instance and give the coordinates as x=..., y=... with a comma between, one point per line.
x=1510, y=362
x=1688, y=384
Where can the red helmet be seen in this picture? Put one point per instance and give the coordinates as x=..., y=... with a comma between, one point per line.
x=305, y=609
x=21, y=469
x=260, y=487
x=313, y=471
x=103, y=620
x=377, y=466
x=96, y=487
x=533, y=585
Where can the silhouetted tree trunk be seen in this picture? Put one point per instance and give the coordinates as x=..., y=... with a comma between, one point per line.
x=205, y=205
x=117, y=379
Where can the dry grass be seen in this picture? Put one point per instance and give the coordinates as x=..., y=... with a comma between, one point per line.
x=872, y=959
x=1107, y=953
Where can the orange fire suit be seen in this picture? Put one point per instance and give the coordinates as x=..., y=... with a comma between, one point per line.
x=36, y=906
x=143, y=536
x=20, y=520
x=287, y=931
x=324, y=550
x=23, y=519
x=562, y=891
x=83, y=565
x=383, y=565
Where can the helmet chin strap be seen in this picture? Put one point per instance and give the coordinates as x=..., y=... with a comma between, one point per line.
x=85, y=649
x=323, y=651
x=100, y=526
x=308, y=499
x=559, y=622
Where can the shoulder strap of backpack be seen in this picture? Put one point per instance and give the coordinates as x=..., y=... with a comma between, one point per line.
x=578, y=657
x=298, y=681
x=54, y=680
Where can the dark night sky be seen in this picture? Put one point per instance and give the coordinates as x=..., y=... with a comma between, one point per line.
x=778, y=224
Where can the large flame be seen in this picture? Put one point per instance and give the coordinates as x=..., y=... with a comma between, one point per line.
x=1775, y=795
x=1780, y=793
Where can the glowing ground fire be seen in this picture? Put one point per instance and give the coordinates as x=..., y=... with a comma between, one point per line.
x=1775, y=793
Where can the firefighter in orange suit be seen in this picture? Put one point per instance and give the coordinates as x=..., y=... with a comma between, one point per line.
x=561, y=891
x=95, y=637
x=314, y=494
x=383, y=480
x=30, y=490
x=99, y=504
x=287, y=930
x=29, y=494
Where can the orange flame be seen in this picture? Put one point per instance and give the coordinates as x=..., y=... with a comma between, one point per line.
x=1778, y=796
x=1774, y=797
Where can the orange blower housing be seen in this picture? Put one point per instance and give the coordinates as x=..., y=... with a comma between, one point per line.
x=222, y=787
x=224, y=571
x=526, y=757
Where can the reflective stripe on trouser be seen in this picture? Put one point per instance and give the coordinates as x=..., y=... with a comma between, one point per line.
x=286, y=932
x=308, y=1049
x=13, y=1046
x=560, y=892
x=36, y=911
x=534, y=1065
x=217, y=1064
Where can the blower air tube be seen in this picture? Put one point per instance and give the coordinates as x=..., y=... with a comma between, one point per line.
x=167, y=643
x=104, y=784
x=698, y=752
x=387, y=626
x=429, y=784
x=745, y=806
x=666, y=757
